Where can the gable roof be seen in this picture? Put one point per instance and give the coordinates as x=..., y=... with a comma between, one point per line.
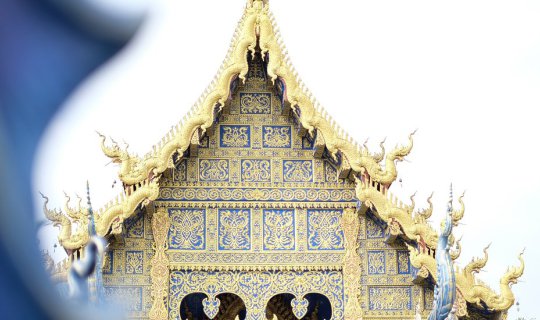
x=256, y=30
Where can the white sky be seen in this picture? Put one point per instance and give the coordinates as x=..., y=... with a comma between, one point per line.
x=465, y=73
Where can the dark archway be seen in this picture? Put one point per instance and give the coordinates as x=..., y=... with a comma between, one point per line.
x=319, y=307
x=279, y=306
x=230, y=306
x=191, y=307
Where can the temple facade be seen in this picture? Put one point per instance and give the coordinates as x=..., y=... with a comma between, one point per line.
x=258, y=206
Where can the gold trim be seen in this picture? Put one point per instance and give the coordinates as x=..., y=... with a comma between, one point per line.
x=159, y=271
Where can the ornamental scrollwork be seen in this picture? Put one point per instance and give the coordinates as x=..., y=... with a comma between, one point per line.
x=188, y=229
x=214, y=169
x=234, y=229
x=255, y=170
x=233, y=136
x=297, y=170
x=256, y=288
x=278, y=229
x=390, y=298
x=276, y=136
x=324, y=229
x=255, y=103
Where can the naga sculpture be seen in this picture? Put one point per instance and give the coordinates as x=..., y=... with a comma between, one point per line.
x=66, y=237
x=445, y=288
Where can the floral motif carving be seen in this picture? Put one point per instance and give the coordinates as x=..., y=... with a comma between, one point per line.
x=403, y=263
x=276, y=136
x=255, y=170
x=234, y=136
x=373, y=230
x=135, y=227
x=134, y=262
x=390, y=298
x=255, y=103
x=324, y=229
x=297, y=170
x=278, y=232
x=188, y=229
x=213, y=169
x=376, y=262
x=234, y=230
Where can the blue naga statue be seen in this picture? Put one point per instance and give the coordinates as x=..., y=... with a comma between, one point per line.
x=445, y=289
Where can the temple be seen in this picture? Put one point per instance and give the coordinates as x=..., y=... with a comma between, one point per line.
x=257, y=205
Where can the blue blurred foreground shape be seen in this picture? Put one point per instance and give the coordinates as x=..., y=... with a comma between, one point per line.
x=46, y=49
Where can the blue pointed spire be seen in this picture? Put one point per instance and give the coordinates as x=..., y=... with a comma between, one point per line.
x=92, y=232
x=92, y=224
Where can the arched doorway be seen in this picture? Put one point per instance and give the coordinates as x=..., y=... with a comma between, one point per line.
x=280, y=307
x=226, y=306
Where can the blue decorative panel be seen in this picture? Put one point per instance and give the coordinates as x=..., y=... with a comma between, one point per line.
x=297, y=170
x=213, y=169
x=234, y=136
x=108, y=263
x=276, y=136
x=255, y=103
x=324, y=229
x=180, y=172
x=127, y=297
x=403, y=263
x=390, y=298
x=278, y=229
x=255, y=170
x=373, y=230
x=135, y=227
x=188, y=229
x=376, y=262
x=330, y=173
x=234, y=229
x=134, y=262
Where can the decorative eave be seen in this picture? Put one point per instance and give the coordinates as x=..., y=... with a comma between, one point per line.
x=421, y=239
x=256, y=29
x=73, y=224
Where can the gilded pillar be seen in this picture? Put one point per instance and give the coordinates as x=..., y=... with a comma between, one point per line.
x=159, y=271
x=351, y=265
